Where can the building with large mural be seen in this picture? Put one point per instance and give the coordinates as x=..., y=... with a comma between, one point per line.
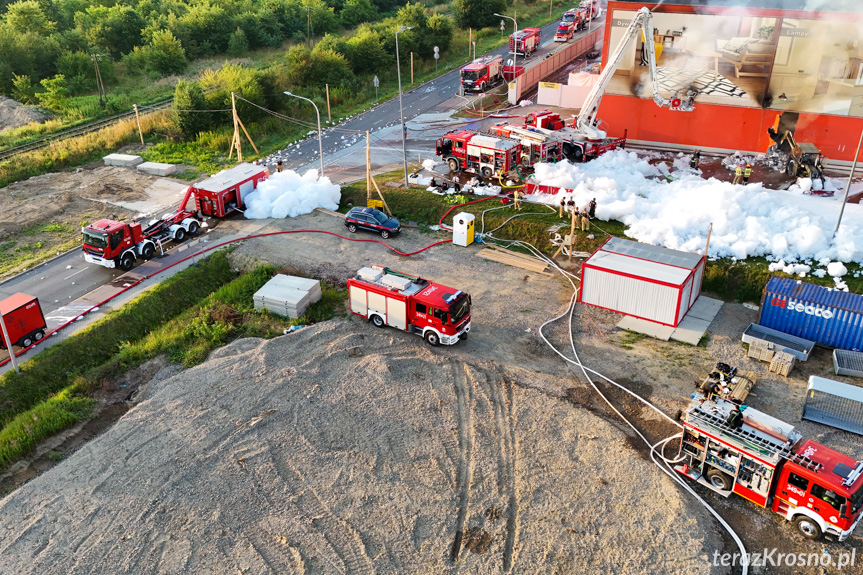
x=754, y=64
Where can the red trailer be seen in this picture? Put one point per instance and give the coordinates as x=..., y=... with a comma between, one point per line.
x=437, y=313
x=225, y=192
x=525, y=42
x=24, y=321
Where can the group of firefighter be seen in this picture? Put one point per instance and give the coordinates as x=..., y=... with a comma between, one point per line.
x=742, y=172
x=582, y=217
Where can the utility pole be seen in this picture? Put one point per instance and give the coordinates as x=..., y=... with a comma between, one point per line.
x=8, y=343
x=236, y=141
x=138, y=120
x=309, y=25
x=412, y=68
x=100, y=87
x=329, y=116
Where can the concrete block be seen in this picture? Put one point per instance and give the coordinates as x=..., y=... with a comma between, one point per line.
x=122, y=160
x=158, y=169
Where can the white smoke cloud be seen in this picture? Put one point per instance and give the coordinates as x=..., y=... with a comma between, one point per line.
x=287, y=194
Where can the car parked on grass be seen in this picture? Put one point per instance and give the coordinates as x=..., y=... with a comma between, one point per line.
x=372, y=220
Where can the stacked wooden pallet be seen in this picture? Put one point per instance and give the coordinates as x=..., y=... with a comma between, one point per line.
x=288, y=295
x=782, y=363
x=511, y=258
x=761, y=350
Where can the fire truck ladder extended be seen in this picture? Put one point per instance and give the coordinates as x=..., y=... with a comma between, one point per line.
x=782, y=450
x=586, y=121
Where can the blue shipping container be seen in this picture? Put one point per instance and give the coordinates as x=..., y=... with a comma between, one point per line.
x=826, y=316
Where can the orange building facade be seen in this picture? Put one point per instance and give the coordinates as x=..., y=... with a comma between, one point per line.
x=753, y=68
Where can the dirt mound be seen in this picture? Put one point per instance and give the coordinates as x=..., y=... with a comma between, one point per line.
x=14, y=114
x=347, y=449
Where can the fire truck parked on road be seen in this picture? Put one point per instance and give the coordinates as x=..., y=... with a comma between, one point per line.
x=437, y=313
x=576, y=16
x=536, y=147
x=733, y=448
x=472, y=152
x=565, y=31
x=525, y=42
x=482, y=73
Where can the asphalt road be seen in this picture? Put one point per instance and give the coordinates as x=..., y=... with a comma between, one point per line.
x=417, y=100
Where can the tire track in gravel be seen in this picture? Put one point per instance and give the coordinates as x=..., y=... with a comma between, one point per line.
x=345, y=541
x=501, y=394
x=464, y=402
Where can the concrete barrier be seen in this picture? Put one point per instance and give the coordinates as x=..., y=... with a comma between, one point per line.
x=158, y=169
x=122, y=160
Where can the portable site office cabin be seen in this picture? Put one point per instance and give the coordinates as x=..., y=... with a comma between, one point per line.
x=643, y=281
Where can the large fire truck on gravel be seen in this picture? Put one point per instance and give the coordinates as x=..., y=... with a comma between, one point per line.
x=732, y=448
x=119, y=244
x=525, y=42
x=482, y=73
x=536, y=146
x=472, y=152
x=437, y=313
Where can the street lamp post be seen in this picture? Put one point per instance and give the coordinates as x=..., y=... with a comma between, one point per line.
x=320, y=138
x=514, y=39
x=401, y=111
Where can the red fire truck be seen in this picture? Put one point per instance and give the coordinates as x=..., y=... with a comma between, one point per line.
x=592, y=8
x=437, y=313
x=536, y=147
x=225, y=192
x=482, y=73
x=732, y=448
x=575, y=16
x=577, y=146
x=24, y=321
x=524, y=42
x=565, y=31
x=472, y=152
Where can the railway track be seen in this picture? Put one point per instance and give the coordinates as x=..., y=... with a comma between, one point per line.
x=81, y=130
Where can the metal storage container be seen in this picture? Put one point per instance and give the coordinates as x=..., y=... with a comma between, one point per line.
x=826, y=316
x=642, y=281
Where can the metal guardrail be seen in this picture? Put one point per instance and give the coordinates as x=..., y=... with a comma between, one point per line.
x=80, y=130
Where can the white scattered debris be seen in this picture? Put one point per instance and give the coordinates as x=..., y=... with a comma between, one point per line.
x=429, y=165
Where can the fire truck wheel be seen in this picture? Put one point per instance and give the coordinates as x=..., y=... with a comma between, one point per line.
x=719, y=480
x=352, y=228
x=385, y=234
x=453, y=165
x=148, y=251
x=179, y=235
x=193, y=228
x=26, y=342
x=791, y=169
x=39, y=335
x=378, y=321
x=486, y=172
x=807, y=527
x=127, y=261
x=432, y=338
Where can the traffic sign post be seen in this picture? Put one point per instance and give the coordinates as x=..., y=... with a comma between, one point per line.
x=502, y=28
x=436, y=57
x=377, y=83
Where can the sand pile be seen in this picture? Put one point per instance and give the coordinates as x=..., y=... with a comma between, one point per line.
x=347, y=449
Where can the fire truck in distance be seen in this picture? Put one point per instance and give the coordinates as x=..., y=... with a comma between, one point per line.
x=575, y=16
x=565, y=32
x=592, y=9
x=437, y=313
x=536, y=147
x=466, y=150
x=575, y=146
x=524, y=42
x=732, y=448
x=482, y=73
x=24, y=321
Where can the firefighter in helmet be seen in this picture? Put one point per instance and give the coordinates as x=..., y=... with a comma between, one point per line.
x=562, y=206
x=738, y=174
x=694, y=159
x=747, y=172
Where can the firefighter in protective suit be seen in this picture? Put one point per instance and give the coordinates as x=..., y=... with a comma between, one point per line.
x=747, y=172
x=738, y=174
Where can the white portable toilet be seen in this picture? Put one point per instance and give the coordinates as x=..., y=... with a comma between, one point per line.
x=462, y=229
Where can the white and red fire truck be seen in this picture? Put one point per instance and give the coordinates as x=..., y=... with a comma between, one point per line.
x=466, y=150
x=576, y=16
x=576, y=146
x=482, y=73
x=525, y=42
x=437, y=313
x=565, y=31
x=733, y=448
x=225, y=192
x=592, y=8
x=536, y=147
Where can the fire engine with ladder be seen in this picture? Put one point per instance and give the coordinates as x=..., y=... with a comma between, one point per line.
x=536, y=146
x=482, y=73
x=472, y=152
x=438, y=314
x=731, y=448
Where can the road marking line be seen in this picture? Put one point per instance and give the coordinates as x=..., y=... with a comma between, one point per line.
x=74, y=274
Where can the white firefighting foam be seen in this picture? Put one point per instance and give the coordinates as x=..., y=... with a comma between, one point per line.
x=747, y=220
x=288, y=194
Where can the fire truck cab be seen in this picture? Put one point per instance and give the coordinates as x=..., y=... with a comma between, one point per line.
x=732, y=448
x=469, y=151
x=437, y=313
